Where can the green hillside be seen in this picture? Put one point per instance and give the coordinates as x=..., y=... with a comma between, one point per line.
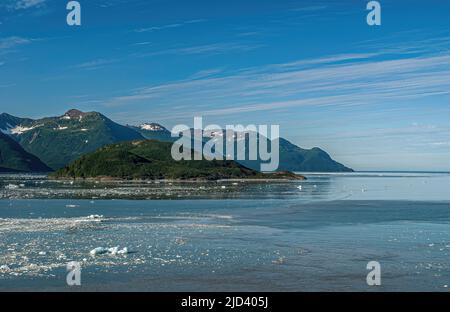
x=152, y=160
x=13, y=158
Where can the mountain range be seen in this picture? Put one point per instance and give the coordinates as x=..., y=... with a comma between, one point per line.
x=58, y=141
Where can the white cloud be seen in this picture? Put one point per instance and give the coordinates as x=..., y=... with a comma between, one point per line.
x=341, y=80
x=23, y=4
x=311, y=8
x=210, y=49
x=206, y=73
x=168, y=26
x=12, y=42
x=95, y=64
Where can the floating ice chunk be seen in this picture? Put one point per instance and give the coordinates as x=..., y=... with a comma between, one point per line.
x=180, y=241
x=94, y=217
x=11, y=187
x=113, y=250
x=280, y=260
x=123, y=251
x=98, y=251
x=4, y=268
x=299, y=187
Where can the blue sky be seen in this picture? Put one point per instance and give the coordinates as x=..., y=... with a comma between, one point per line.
x=375, y=98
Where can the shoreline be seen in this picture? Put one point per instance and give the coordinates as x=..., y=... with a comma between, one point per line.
x=293, y=177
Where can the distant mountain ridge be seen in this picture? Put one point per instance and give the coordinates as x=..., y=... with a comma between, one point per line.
x=292, y=157
x=60, y=140
x=57, y=141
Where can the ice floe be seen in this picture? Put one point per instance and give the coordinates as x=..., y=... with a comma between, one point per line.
x=98, y=251
x=12, y=187
x=95, y=217
x=4, y=268
x=112, y=251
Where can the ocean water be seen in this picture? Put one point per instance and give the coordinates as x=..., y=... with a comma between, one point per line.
x=313, y=235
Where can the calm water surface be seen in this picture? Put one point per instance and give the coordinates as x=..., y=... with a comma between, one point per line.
x=311, y=235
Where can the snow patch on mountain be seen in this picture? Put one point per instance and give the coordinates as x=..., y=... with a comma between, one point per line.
x=151, y=127
x=20, y=130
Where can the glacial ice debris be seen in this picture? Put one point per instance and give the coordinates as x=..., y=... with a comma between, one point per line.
x=112, y=251
x=11, y=187
x=124, y=251
x=4, y=268
x=98, y=251
x=95, y=217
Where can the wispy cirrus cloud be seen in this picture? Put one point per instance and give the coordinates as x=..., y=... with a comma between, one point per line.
x=12, y=42
x=206, y=73
x=22, y=4
x=7, y=85
x=168, y=26
x=95, y=64
x=342, y=80
x=311, y=8
x=210, y=49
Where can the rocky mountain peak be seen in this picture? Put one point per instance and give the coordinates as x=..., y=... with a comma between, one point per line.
x=74, y=113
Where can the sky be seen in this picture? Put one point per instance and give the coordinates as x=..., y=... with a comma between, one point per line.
x=374, y=97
